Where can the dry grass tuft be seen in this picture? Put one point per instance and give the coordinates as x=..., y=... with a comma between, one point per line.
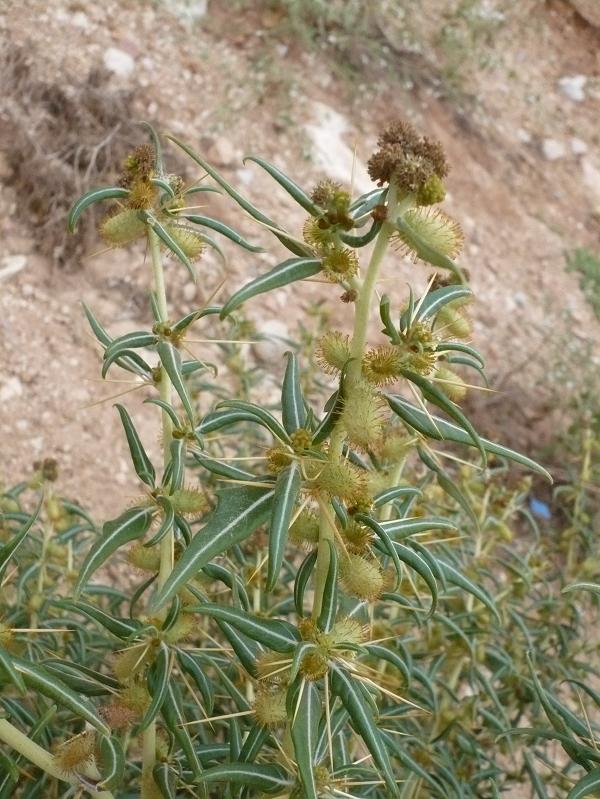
x=60, y=139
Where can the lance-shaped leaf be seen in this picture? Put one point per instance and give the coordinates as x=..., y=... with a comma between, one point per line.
x=8, y=550
x=402, y=528
x=166, y=525
x=302, y=577
x=127, y=527
x=171, y=361
x=305, y=734
x=448, y=485
x=366, y=238
x=224, y=230
x=260, y=415
x=11, y=672
x=157, y=681
x=454, y=577
x=432, y=302
x=587, y=786
x=120, y=628
x=289, y=271
x=112, y=763
x=254, y=742
x=91, y=197
x=192, y=666
x=38, y=679
x=247, y=651
x=174, y=718
x=329, y=603
x=432, y=393
x=284, y=501
x=292, y=188
x=390, y=656
x=166, y=779
x=422, y=568
x=169, y=242
x=457, y=346
x=442, y=430
x=275, y=634
x=238, y=513
x=366, y=202
x=82, y=679
x=390, y=494
x=293, y=411
x=385, y=314
x=141, y=462
x=294, y=246
x=363, y=722
x=217, y=420
x=266, y=778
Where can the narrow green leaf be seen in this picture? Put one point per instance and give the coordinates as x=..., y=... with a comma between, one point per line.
x=448, y=485
x=193, y=667
x=9, y=549
x=238, y=513
x=127, y=527
x=11, y=672
x=91, y=197
x=120, y=628
x=285, y=495
x=432, y=393
x=305, y=733
x=166, y=778
x=247, y=651
x=356, y=242
x=402, y=528
x=112, y=763
x=441, y=430
x=388, y=326
x=171, y=361
x=454, y=577
x=422, y=568
x=362, y=720
x=292, y=188
x=157, y=682
x=275, y=634
x=329, y=605
x=267, y=778
x=588, y=785
x=38, y=679
x=174, y=718
x=260, y=415
x=292, y=245
x=435, y=300
x=224, y=230
x=168, y=240
x=593, y=588
x=302, y=577
x=293, y=412
x=141, y=462
x=289, y=271
x=390, y=494
x=456, y=346
x=166, y=525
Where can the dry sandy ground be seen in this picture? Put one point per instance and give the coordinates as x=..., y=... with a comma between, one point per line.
x=525, y=185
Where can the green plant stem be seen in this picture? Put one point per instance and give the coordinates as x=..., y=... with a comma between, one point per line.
x=362, y=316
x=167, y=543
x=44, y=760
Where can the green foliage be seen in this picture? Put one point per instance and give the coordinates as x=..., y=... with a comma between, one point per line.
x=587, y=265
x=325, y=602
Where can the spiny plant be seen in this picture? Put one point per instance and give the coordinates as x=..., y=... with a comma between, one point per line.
x=322, y=606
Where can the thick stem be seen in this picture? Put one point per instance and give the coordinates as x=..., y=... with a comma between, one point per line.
x=166, y=546
x=44, y=760
x=168, y=542
x=357, y=350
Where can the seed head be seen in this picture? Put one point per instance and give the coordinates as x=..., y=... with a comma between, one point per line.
x=436, y=228
x=342, y=480
x=451, y=384
x=278, y=458
x=76, y=752
x=189, y=502
x=361, y=577
x=333, y=351
x=340, y=263
x=362, y=415
x=121, y=228
x=305, y=530
x=269, y=706
x=314, y=665
x=382, y=365
x=190, y=242
x=453, y=323
x=301, y=439
x=406, y=158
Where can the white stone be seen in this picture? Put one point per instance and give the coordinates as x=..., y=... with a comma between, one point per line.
x=524, y=136
x=222, y=152
x=553, y=149
x=119, y=62
x=331, y=153
x=81, y=20
x=188, y=10
x=10, y=388
x=573, y=87
x=578, y=146
x=190, y=290
x=271, y=351
x=591, y=179
x=10, y=265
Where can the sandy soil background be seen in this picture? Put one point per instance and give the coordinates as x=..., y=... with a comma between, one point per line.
x=512, y=89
